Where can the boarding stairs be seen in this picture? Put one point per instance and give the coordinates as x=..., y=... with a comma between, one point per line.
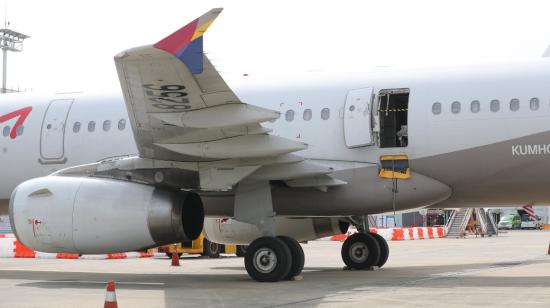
x=458, y=222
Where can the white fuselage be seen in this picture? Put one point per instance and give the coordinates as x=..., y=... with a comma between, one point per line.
x=49, y=140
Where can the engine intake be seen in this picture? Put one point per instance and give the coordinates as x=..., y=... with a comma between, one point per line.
x=90, y=215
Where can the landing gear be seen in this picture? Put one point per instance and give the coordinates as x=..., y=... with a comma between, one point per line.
x=268, y=259
x=297, y=255
x=384, y=249
x=361, y=251
x=241, y=250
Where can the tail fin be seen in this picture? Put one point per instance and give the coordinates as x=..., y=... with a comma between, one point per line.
x=186, y=43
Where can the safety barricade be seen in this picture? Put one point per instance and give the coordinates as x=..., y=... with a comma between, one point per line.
x=399, y=234
x=11, y=248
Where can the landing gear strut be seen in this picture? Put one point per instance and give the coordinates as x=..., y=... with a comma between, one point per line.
x=271, y=259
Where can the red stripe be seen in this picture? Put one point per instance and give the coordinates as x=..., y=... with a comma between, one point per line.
x=430, y=233
x=411, y=233
x=116, y=256
x=397, y=235
x=440, y=232
x=22, y=251
x=420, y=233
x=22, y=114
x=63, y=255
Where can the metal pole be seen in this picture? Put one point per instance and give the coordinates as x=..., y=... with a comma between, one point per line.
x=4, y=69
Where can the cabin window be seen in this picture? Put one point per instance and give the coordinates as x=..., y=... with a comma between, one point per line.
x=307, y=114
x=76, y=127
x=20, y=130
x=121, y=124
x=325, y=113
x=455, y=107
x=393, y=105
x=289, y=115
x=436, y=108
x=6, y=131
x=534, y=104
x=91, y=126
x=514, y=104
x=495, y=105
x=106, y=125
x=475, y=106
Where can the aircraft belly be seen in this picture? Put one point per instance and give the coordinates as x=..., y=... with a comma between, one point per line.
x=365, y=193
x=507, y=173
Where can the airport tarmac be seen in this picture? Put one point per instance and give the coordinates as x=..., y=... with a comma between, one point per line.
x=512, y=269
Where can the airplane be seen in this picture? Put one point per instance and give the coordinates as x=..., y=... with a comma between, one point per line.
x=267, y=162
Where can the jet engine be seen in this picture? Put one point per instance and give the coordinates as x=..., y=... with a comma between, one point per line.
x=230, y=231
x=91, y=216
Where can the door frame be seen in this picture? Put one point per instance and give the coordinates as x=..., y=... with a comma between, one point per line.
x=62, y=159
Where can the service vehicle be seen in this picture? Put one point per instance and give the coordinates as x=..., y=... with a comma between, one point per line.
x=510, y=221
x=201, y=245
x=528, y=223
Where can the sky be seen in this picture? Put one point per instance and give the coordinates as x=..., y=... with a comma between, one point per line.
x=72, y=43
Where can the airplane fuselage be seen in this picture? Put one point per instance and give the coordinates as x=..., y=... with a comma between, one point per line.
x=461, y=153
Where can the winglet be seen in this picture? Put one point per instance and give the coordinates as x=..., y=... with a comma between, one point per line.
x=186, y=43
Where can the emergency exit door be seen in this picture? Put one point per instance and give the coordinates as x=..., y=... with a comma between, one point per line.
x=52, y=138
x=357, y=118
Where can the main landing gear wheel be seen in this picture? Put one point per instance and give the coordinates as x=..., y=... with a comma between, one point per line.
x=268, y=259
x=361, y=251
x=384, y=249
x=297, y=255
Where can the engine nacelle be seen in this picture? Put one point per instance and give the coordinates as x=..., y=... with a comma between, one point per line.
x=230, y=231
x=92, y=216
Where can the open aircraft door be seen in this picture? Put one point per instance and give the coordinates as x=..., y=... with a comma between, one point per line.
x=52, y=135
x=357, y=118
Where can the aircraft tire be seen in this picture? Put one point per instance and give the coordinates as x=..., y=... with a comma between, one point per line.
x=361, y=251
x=384, y=249
x=297, y=255
x=210, y=249
x=241, y=250
x=268, y=259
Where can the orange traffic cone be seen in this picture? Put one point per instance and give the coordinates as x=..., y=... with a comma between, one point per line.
x=175, y=257
x=110, y=296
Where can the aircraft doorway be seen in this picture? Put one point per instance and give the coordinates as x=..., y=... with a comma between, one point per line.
x=393, y=108
x=52, y=135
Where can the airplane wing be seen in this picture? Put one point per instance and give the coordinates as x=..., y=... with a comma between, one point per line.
x=181, y=110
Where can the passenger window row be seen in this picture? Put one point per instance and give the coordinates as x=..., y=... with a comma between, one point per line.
x=106, y=126
x=7, y=129
x=494, y=106
x=307, y=114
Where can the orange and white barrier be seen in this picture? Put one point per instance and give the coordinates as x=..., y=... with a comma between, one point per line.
x=399, y=234
x=10, y=247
